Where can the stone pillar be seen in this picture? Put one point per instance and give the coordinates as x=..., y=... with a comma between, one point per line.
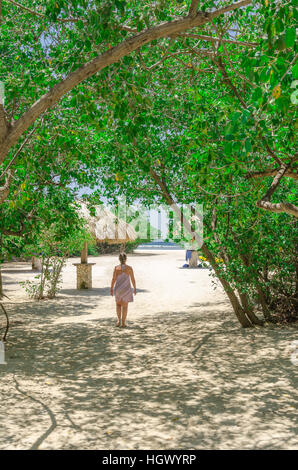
x=84, y=275
x=193, y=262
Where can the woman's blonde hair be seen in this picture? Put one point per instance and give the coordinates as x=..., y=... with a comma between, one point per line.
x=122, y=258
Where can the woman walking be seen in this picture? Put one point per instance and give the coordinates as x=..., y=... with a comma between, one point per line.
x=122, y=276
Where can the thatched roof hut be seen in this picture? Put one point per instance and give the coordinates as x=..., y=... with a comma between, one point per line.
x=105, y=226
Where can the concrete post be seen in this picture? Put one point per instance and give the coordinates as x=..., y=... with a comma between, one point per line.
x=193, y=262
x=84, y=275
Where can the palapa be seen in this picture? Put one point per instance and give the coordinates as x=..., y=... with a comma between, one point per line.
x=105, y=226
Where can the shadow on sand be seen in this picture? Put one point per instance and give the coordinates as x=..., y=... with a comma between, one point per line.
x=95, y=291
x=173, y=380
x=20, y=271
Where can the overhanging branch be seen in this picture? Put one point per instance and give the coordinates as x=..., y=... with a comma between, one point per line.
x=286, y=207
x=3, y=122
x=4, y=190
x=214, y=39
x=109, y=57
x=272, y=172
x=193, y=8
x=280, y=207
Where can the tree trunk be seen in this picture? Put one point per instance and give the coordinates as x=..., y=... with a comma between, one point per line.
x=225, y=256
x=296, y=281
x=265, y=273
x=239, y=312
x=84, y=253
x=262, y=300
x=246, y=261
x=249, y=311
x=1, y=285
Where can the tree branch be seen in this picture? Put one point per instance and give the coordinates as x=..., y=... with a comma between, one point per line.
x=265, y=203
x=193, y=8
x=271, y=172
x=233, y=68
x=222, y=248
x=4, y=190
x=227, y=79
x=18, y=152
x=126, y=28
x=270, y=151
x=245, y=322
x=165, y=56
x=18, y=233
x=275, y=183
x=212, y=39
x=14, y=233
x=3, y=122
x=109, y=57
x=286, y=207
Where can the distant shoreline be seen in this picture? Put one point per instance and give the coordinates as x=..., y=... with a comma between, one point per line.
x=159, y=246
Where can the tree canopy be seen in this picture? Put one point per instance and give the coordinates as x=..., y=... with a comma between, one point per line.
x=176, y=102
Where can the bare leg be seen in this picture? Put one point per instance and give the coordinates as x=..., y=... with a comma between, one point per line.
x=118, y=310
x=124, y=313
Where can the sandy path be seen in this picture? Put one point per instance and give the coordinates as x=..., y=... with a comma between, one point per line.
x=182, y=375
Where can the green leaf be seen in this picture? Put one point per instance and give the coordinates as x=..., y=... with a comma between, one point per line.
x=281, y=43
x=290, y=37
x=248, y=146
x=228, y=129
x=257, y=94
x=295, y=71
x=264, y=77
x=279, y=25
x=228, y=148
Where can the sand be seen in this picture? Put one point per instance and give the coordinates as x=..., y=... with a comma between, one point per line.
x=183, y=375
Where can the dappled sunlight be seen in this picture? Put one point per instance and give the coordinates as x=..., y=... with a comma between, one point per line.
x=180, y=378
x=166, y=129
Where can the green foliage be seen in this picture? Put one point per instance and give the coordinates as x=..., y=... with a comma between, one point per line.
x=106, y=248
x=201, y=114
x=52, y=247
x=47, y=283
